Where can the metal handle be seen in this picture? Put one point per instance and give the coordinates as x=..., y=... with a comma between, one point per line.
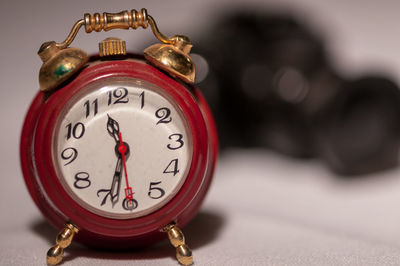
x=122, y=20
x=61, y=62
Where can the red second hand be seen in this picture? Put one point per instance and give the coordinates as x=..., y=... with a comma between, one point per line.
x=122, y=150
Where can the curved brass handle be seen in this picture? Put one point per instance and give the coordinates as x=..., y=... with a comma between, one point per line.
x=61, y=62
x=108, y=21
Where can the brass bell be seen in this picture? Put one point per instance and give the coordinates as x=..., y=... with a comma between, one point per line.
x=59, y=64
x=173, y=58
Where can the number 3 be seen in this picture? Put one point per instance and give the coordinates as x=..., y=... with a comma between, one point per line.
x=178, y=138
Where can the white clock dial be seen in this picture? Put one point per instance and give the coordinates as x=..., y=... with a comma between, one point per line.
x=88, y=156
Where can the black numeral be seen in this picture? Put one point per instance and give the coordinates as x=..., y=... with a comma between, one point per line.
x=75, y=131
x=69, y=154
x=120, y=94
x=87, y=107
x=163, y=113
x=155, y=192
x=82, y=180
x=129, y=204
x=172, y=167
x=178, y=139
x=141, y=96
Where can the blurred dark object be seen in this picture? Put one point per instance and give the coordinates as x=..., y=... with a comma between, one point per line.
x=267, y=76
x=359, y=132
x=270, y=84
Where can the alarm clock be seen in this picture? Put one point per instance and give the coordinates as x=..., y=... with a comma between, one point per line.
x=118, y=150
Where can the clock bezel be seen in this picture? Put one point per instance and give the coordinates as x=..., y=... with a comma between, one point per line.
x=100, y=85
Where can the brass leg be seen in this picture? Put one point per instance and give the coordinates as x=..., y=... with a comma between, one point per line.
x=63, y=240
x=177, y=239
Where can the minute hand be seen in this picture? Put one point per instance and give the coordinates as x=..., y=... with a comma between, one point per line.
x=113, y=192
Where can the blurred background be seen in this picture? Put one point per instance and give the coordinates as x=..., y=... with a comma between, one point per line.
x=306, y=99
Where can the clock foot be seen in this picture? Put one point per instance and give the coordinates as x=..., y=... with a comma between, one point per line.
x=63, y=240
x=177, y=239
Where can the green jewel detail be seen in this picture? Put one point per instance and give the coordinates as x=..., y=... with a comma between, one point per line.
x=62, y=70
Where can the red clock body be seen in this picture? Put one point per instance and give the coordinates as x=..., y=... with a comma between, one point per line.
x=61, y=204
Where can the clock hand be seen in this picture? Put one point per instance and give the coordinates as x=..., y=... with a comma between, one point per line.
x=113, y=128
x=122, y=150
x=113, y=192
x=116, y=183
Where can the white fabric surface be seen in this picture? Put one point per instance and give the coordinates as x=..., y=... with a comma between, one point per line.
x=262, y=209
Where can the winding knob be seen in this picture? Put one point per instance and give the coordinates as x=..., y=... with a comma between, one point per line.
x=112, y=46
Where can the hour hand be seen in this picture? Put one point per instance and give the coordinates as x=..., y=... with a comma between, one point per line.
x=113, y=128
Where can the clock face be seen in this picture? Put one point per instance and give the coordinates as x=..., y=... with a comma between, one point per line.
x=122, y=148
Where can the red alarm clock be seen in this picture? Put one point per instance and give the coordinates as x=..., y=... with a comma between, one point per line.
x=118, y=150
